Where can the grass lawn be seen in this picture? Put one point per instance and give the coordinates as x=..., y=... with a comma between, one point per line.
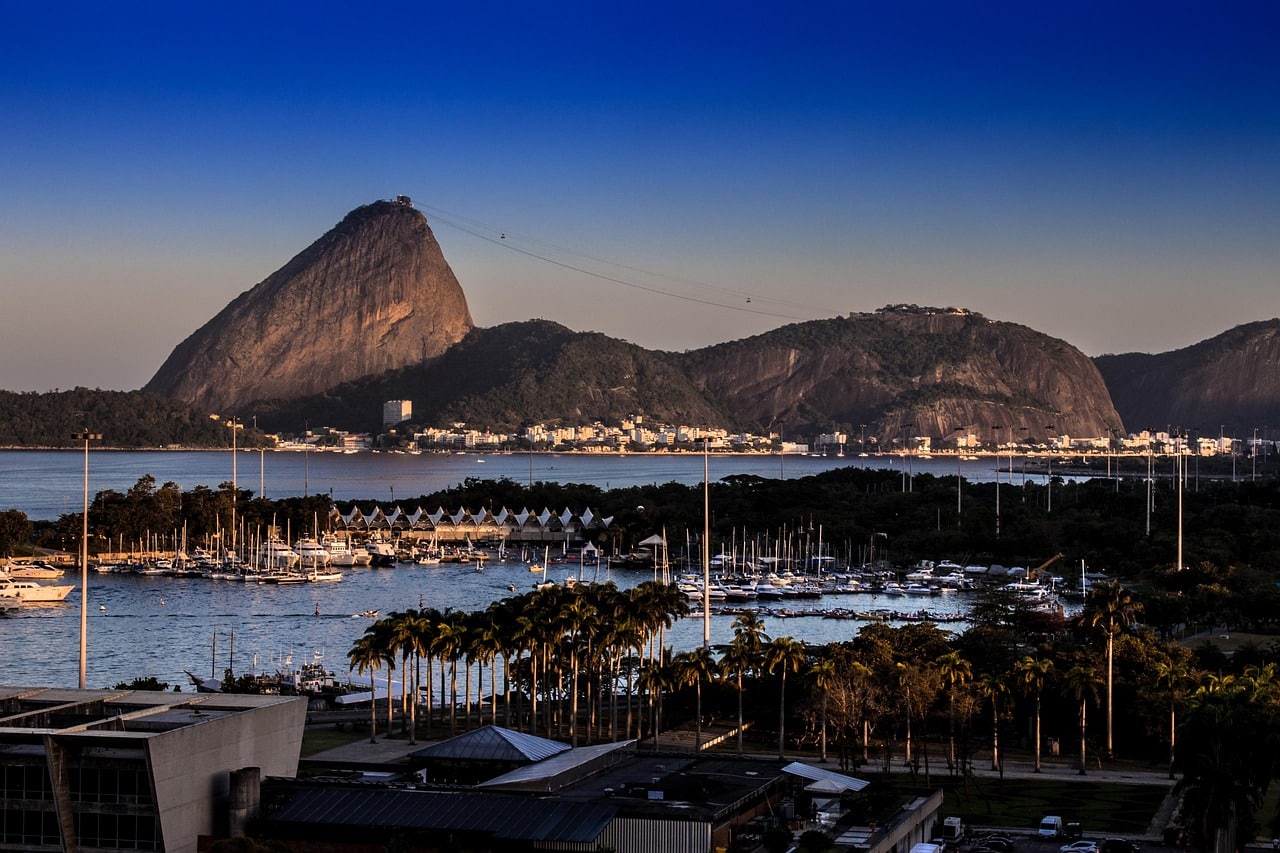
x=1102, y=808
x=319, y=738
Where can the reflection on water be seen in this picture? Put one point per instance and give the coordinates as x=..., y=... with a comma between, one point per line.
x=157, y=626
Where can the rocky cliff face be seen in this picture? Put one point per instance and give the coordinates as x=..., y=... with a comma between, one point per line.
x=909, y=371
x=372, y=295
x=1231, y=380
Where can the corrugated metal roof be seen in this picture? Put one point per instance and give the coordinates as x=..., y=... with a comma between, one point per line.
x=523, y=777
x=817, y=774
x=492, y=743
x=513, y=818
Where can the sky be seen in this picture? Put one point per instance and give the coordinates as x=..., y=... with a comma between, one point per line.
x=673, y=174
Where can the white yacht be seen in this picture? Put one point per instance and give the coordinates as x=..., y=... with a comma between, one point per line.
x=276, y=554
x=311, y=553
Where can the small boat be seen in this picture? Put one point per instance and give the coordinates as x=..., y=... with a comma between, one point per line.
x=35, y=571
x=365, y=614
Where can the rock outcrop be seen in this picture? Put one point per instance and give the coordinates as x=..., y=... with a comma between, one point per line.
x=372, y=295
x=1230, y=381
x=906, y=371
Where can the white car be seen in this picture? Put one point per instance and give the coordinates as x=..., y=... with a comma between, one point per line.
x=1079, y=847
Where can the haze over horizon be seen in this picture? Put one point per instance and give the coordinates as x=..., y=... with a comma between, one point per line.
x=1104, y=174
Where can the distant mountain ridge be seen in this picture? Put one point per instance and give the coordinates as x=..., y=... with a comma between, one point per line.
x=900, y=375
x=1229, y=380
x=371, y=311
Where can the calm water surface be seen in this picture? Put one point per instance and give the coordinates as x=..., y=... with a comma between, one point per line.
x=154, y=626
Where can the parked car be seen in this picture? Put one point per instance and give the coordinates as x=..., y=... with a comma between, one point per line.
x=1079, y=847
x=1118, y=845
x=999, y=843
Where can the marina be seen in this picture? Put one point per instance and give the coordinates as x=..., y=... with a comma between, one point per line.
x=154, y=620
x=155, y=625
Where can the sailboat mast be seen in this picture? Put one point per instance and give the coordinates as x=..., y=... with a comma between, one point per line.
x=706, y=551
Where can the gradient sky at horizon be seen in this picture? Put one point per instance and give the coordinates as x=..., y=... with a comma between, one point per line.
x=1105, y=173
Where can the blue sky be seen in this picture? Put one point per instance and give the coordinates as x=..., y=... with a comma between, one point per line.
x=1106, y=173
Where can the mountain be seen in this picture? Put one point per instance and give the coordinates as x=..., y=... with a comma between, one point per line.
x=501, y=377
x=1230, y=380
x=372, y=295
x=906, y=371
x=933, y=370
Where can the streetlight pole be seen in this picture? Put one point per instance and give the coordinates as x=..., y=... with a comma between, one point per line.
x=996, y=431
x=86, y=437
x=235, y=489
x=959, y=477
x=1049, y=477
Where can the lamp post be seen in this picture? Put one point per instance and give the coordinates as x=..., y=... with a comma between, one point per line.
x=959, y=478
x=1049, y=476
x=235, y=488
x=86, y=437
x=996, y=431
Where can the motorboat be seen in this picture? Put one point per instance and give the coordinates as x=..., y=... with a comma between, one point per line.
x=24, y=592
x=35, y=571
x=340, y=552
x=276, y=554
x=311, y=554
x=381, y=552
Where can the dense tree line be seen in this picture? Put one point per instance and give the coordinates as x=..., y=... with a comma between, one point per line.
x=123, y=418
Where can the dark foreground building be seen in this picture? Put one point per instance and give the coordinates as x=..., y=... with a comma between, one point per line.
x=85, y=770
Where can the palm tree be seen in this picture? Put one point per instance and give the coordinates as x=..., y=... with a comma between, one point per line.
x=992, y=687
x=1112, y=609
x=1032, y=674
x=655, y=679
x=1082, y=682
x=365, y=656
x=398, y=626
x=693, y=668
x=383, y=637
x=822, y=675
x=450, y=635
x=486, y=646
x=579, y=614
x=415, y=632
x=745, y=654
x=1173, y=676
x=955, y=672
x=784, y=653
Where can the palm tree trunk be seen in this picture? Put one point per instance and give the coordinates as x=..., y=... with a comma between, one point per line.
x=697, y=741
x=453, y=696
x=995, y=735
x=430, y=709
x=1110, y=650
x=823, y=714
x=493, y=690
x=391, y=706
x=739, y=712
x=413, y=706
x=1037, y=768
x=782, y=710
x=373, y=711
x=404, y=699
x=1083, y=764
x=573, y=700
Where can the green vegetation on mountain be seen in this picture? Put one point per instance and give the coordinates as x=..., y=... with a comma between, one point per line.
x=508, y=375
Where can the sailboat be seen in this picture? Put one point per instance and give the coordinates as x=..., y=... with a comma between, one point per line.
x=541, y=567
